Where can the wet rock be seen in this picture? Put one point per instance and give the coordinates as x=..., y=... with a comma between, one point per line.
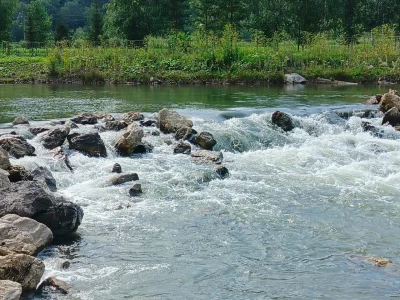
x=183, y=148
x=115, y=125
x=294, y=78
x=89, y=144
x=65, y=265
x=185, y=134
x=71, y=124
x=392, y=116
x=208, y=156
x=17, y=147
x=380, y=262
x=132, y=138
x=17, y=173
x=4, y=160
x=31, y=199
x=124, y=178
x=20, y=121
x=55, y=285
x=24, y=269
x=100, y=128
x=4, y=181
x=283, y=120
x=155, y=133
x=104, y=117
x=169, y=121
x=117, y=169
x=365, y=113
x=85, y=119
x=55, y=138
x=143, y=148
x=10, y=290
x=221, y=171
x=132, y=116
x=43, y=175
x=205, y=140
x=59, y=153
x=320, y=80
x=136, y=190
x=24, y=235
x=367, y=126
x=37, y=130
x=374, y=99
x=148, y=123
x=389, y=100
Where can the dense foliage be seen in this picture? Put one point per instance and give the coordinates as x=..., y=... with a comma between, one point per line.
x=136, y=19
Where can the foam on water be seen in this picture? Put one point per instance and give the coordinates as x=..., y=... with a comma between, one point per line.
x=286, y=223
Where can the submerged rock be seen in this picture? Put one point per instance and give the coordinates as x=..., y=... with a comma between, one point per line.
x=10, y=290
x=205, y=140
x=169, y=121
x=283, y=120
x=365, y=113
x=208, y=156
x=55, y=138
x=24, y=269
x=136, y=190
x=31, y=199
x=380, y=262
x=124, y=178
x=132, y=138
x=183, y=148
x=43, y=175
x=294, y=78
x=143, y=148
x=85, y=119
x=89, y=144
x=20, y=121
x=59, y=153
x=148, y=123
x=367, y=126
x=17, y=147
x=4, y=159
x=24, y=235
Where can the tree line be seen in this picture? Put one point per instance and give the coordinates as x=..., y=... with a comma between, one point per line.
x=117, y=20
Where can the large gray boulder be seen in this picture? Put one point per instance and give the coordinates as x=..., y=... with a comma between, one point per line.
x=10, y=290
x=4, y=160
x=24, y=235
x=20, y=121
x=283, y=120
x=17, y=147
x=205, y=140
x=294, y=78
x=132, y=138
x=55, y=138
x=169, y=121
x=43, y=175
x=4, y=181
x=31, y=199
x=89, y=144
x=24, y=269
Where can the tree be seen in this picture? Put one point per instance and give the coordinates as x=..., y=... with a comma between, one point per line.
x=37, y=23
x=62, y=32
x=95, y=23
x=7, y=8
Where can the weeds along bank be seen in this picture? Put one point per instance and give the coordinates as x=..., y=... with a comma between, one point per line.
x=201, y=58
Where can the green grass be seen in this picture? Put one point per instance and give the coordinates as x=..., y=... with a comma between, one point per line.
x=206, y=58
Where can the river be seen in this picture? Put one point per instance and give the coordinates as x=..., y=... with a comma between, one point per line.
x=298, y=217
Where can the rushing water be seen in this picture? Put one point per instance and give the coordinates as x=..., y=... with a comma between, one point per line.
x=297, y=218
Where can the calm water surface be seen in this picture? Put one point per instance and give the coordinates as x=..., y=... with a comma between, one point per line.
x=298, y=217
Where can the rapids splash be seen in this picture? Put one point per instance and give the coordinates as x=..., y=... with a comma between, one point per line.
x=297, y=217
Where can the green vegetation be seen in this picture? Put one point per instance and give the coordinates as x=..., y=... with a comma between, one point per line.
x=201, y=58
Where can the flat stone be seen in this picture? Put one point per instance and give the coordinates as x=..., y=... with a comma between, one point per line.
x=10, y=290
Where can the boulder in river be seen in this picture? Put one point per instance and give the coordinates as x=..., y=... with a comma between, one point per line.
x=208, y=156
x=115, y=125
x=104, y=116
x=17, y=147
x=4, y=159
x=185, y=134
x=24, y=269
x=169, y=121
x=17, y=173
x=221, y=171
x=392, y=116
x=143, y=148
x=37, y=130
x=117, y=168
x=148, y=123
x=20, y=121
x=43, y=175
x=294, y=78
x=283, y=120
x=205, y=140
x=136, y=190
x=183, y=148
x=10, y=290
x=31, y=199
x=132, y=116
x=85, y=119
x=55, y=138
x=389, y=100
x=55, y=284
x=132, y=138
x=23, y=235
x=124, y=178
x=89, y=144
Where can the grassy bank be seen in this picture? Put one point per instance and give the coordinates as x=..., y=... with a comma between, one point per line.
x=202, y=59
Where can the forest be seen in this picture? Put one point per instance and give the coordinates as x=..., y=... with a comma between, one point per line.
x=121, y=20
